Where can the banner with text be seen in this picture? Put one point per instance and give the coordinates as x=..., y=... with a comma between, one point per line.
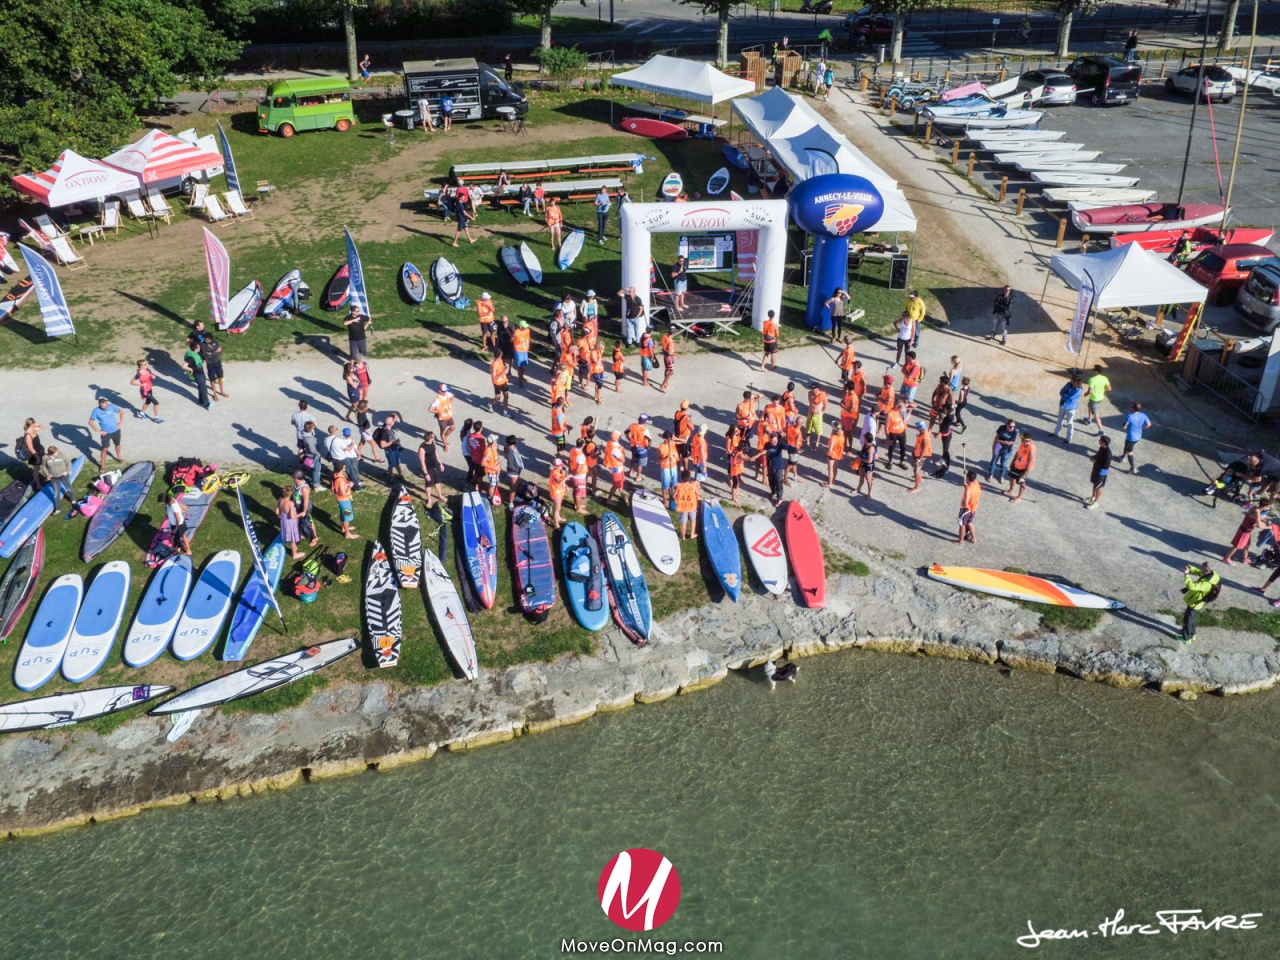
x=53, y=304
x=219, y=264
x=255, y=550
x=1084, y=306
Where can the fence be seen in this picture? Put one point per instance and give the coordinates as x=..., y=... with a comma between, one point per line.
x=1204, y=370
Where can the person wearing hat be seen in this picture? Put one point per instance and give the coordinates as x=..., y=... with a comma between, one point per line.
x=590, y=310
x=1024, y=459
x=442, y=407
x=520, y=342
x=557, y=487
x=698, y=453
x=917, y=311
x=344, y=450
x=1201, y=586
x=638, y=436
x=105, y=422
x=921, y=452
x=485, y=311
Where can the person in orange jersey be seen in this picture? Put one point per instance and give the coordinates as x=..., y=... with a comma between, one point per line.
x=619, y=366
x=615, y=462
x=687, y=496
x=921, y=452
x=1024, y=460
x=769, y=341
x=501, y=390
x=557, y=487
x=835, y=453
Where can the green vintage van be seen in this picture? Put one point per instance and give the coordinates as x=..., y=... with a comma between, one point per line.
x=316, y=103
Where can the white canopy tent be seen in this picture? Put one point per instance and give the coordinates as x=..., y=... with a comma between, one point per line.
x=75, y=179
x=687, y=79
x=1128, y=276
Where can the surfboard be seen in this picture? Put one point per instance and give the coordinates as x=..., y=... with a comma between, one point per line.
x=511, y=260
x=27, y=519
x=255, y=605
x=805, y=550
x=47, y=634
x=628, y=589
x=207, y=606
x=446, y=279
x=197, y=504
x=15, y=298
x=19, y=582
x=12, y=497
x=535, y=569
x=672, y=185
x=1021, y=586
x=259, y=678
x=244, y=307
x=765, y=551
x=656, y=531
x=719, y=180
x=158, y=611
x=338, y=290
x=119, y=507
x=656, y=129
x=406, y=539
x=722, y=548
x=734, y=195
x=531, y=263
x=382, y=608
x=415, y=288
x=65, y=709
x=450, y=614
x=480, y=547
x=735, y=157
x=97, y=623
x=570, y=249
x=584, y=576
x=284, y=295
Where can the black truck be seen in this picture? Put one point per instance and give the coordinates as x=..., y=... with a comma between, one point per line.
x=478, y=91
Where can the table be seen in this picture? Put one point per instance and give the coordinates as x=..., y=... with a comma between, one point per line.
x=89, y=231
x=512, y=122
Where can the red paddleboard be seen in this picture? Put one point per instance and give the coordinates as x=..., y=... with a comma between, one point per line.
x=657, y=129
x=805, y=550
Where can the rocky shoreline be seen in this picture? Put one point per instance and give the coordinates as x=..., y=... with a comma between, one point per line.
x=72, y=778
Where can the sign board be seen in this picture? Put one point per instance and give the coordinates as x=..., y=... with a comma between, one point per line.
x=708, y=253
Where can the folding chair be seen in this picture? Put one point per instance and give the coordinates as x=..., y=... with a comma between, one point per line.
x=265, y=189
x=63, y=253
x=213, y=210
x=137, y=209
x=37, y=237
x=159, y=207
x=111, y=216
x=235, y=204
x=197, y=198
x=48, y=227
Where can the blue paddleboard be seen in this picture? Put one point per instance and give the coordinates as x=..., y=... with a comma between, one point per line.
x=735, y=157
x=158, y=611
x=535, y=568
x=722, y=547
x=254, y=603
x=570, y=249
x=579, y=557
x=207, y=607
x=481, y=548
x=628, y=589
x=48, y=633
x=98, y=622
x=33, y=513
x=119, y=507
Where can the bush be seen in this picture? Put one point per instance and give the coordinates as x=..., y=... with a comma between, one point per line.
x=561, y=64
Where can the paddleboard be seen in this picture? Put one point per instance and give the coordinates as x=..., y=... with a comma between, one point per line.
x=672, y=185
x=450, y=614
x=447, y=281
x=118, y=508
x=535, y=570
x=158, y=611
x=98, y=622
x=382, y=608
x=13, y=496
x=64, y=709
x=19, y=582
x=734, y=195
x=570, y=249
x=415, y=288
x=15, y=297
x=406, y=539
x=657, y=129
x=284, y=296
x=656, y=531
x=480, y=547
x=48, y=633
x=27, y=519
x=197, y=504
x=510, y=259
x=244, y=306
x=735, y=157
x=255, y=603
x=180, y=724
x=259, y=678
x=1021, y=586
x=207, y=606
x=584, y=576
x=338, y=290
x=719, y=180
x=805, y=550
x=722, y=548
x=531, y=263
x=628, y=590
x=764, y=550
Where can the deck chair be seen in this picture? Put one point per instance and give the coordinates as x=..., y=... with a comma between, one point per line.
x=63, y=253
x=198, y=194
x=236, y=205
x=213, y=210
x=137, y=209
x=36, y=237
x=159, y=206
x=48, y=227
x=265, y=189
x=111, y=216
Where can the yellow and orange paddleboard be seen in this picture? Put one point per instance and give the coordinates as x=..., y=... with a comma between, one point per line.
x=1021, y=586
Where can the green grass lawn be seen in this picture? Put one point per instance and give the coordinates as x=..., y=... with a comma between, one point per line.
x=531, y=25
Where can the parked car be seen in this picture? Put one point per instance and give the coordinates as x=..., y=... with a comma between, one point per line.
x=1259, y=298
x=866, y=29
x=1106, y=80
x=1058, y=86
x=1224, y=270
x=1218, y=83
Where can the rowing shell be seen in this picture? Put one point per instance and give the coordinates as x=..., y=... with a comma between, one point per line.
x=1021, y=586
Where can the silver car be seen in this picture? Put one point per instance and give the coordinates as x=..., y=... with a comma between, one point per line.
x=1218, y=83
x=1259, y=298
x=1059, y=88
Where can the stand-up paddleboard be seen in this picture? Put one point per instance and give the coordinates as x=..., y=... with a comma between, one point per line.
x=118, y=508
x=158, y=611
x=735, y=157
x=531, y=263
x=286, y=296
x=672, y=186
x=12, y=497
x=656, y=129
x=406, y=539
x=259, y=678
x=514, y=264
x=98, y=622
x=48, y=633
x=656, y=531
x=19, y=582
x=16, y=297
x=415, y=288
x=338, y=290
x=722, y=548
x=382, y=608
x=447, y=281
x=197, y=503
x=628, y=589
x=27, y=519
x=535, y=570
x=584, y=576
x=208, y=605
x=764, y=550
x=719, y=180
x=480, y=546
x=1021, y=586
x=450, y=614
x=805, y=550
x=734, y=195
x=64, y=709
x=255, y=603
x=244, y=307
x=570, y=249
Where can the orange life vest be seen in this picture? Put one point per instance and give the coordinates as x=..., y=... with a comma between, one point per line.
x=686, y=496
x=894, y=421
x=498, y=372
x=668, y=455
x=770, y=331
x=443, y=406
x=924, y=445
x=1024, y=458
x=557, y=423
x=618, y=360
x=972, y=493
x=485, y=309
x=490, y=459
x=556, y=482
x=613, y=456
x=835, y=446
x=636, y=434
x=577, y=463
x=520, y=339
x=698, y=449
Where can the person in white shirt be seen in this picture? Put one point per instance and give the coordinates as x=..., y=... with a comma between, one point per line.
x=300, y=421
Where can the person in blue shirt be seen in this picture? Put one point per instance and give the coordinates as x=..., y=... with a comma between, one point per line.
x=105, y=422
x=1068, y=400
x=446, y=111
x=1134, y=424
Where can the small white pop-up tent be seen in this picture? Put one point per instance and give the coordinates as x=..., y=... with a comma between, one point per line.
x=686, y=79
x=1128, y=276
x=75, y=179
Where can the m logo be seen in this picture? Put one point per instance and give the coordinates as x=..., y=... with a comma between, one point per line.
x=770, y=545
x=639, y=869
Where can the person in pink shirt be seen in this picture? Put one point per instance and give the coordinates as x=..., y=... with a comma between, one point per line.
x=144, y=380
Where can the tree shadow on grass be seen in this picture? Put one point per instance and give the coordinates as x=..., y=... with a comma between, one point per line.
x=158, y=309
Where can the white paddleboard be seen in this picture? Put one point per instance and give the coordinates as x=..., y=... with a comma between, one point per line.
x=672, y=185
x=97, y=623
x=208, y=605
x=181, y=724
x=158, y=611
x=765, y=551
x=656, y=531
x=531, y=263
x=64, y=709
x=450, y=614
x=570, y=249
x=48, y=633
x=719, y=180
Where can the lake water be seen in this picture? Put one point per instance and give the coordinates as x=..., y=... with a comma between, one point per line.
x=882, y=807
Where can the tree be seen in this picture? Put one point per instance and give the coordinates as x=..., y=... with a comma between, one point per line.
x=1228, y=25
x=721, y=8
x=542, y=10
x=1067, y=10
x=901, y=11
